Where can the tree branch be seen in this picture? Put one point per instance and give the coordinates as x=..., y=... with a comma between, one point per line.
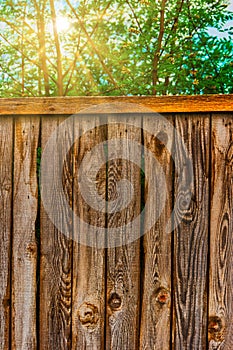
x=25, y=40
x=14, y=79
x=159, y=45
x=174, y=27
x=207, y=52
x=58, y=49
x=137, y=21
x=93, y=46
x=42, y=51
x=79, y=51
x=25, y=56
x=22, y=48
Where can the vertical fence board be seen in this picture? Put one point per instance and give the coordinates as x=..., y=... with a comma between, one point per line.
x=155, y=316
x=56, y=250
x=24, y=253
x=123, y=262
x=88, y=259
x=191, y=235
x=220, y=325
x=6, y=161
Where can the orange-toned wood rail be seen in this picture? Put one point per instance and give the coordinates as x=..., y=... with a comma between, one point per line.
x=72, y=105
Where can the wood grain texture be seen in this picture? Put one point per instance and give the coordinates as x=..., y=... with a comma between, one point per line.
x=56, y=248
x=221, y=235
x=191, y=234
x=156, y=303
x=123, y=261
x=6, y=161
x=88, y=295
x=25, y=204
x=160, y=104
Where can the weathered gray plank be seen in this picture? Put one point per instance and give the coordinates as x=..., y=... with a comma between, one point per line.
x=156, y=302
x=88, y=296
x=220, y=325
x=6, y=161
x=191, y=235
x=24, y=252
x=123, y=261
x=56, y=248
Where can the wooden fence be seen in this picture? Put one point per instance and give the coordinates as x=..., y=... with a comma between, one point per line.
x=164, y=290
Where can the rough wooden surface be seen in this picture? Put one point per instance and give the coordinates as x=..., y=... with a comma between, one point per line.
x=156, y=304
x=60, y=294
x=6, y=161
x=24, y=250
x=71, y=105
x=123, y=262
x=56, y=251
x=88, y=296
x=191, y=236
x=220, y=323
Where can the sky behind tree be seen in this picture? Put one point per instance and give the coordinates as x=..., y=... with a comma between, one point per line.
x=215, y=32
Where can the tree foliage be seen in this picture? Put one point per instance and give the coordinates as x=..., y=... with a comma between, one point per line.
x=114, y=47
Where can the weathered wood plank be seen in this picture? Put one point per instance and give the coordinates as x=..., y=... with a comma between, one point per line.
x=25, y=205
x=156, y=302
x=191, y=235
x=56, y=248
x=6, y=161
x=88, y=296
x=123, y=261
x=160, y=104
x=220, y=325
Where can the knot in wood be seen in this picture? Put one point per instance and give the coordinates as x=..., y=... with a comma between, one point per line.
x=6, y=302
x=31, y=249
x=88, y=315
x=215, y=328
x=215, y=324
x=114, y=301
x=158, y=143
x=186, y=206
x=7, y=187
x=162, y=137
x=162, y=296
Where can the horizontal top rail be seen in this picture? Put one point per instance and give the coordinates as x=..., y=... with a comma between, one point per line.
x=72, y=105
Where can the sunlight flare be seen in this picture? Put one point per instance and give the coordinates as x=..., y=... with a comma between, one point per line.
x=62, y=24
